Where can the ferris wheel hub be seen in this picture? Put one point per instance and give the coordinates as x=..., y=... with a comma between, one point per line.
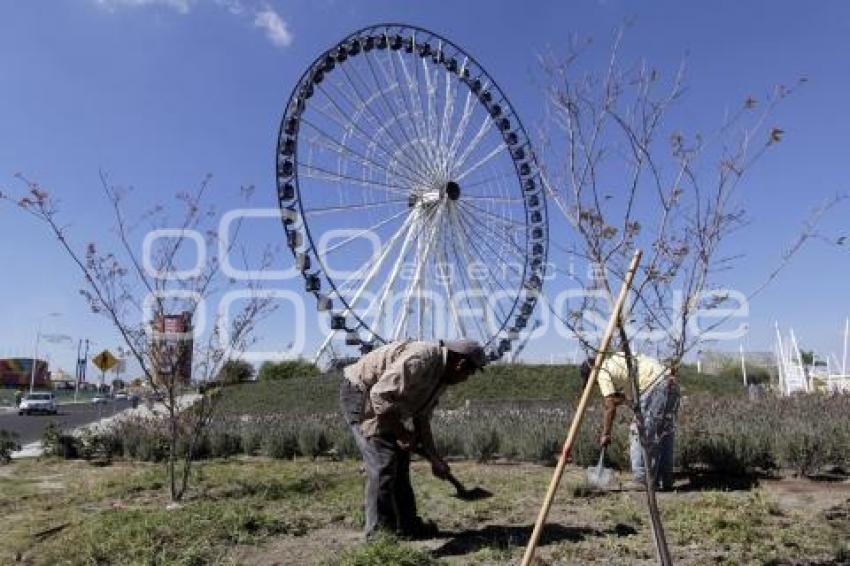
x=452, y=190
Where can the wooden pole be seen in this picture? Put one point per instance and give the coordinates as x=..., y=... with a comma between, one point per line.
x=580, y=410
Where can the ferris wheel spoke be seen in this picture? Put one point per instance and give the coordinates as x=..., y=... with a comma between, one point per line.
x=363, y=232
x=472, y=237
x=383, y=126
x=489, y=180
x=485, y=234
x=454, y=235
x=348, y=127
x=430, y=91
x=464, y=276
x=481, y=295
x=412, y=86
x=393, y=109
x=413, y=93
x=374, y=140
x=448, y=107
x=342, y=123
x=328, y=175
x=500, y=257
x=463, y=237
x=468, y=110
x=341, y=149
x=374, y=268
x=493, y=153
x=482, y=259
x=472, y=211
x=486, y=124
x=448, y=114
x=348, y=207
x=343, y=116
x=492, y=199
x=416, y=109
x=490, y=232
x=515, y=225
x=414, y=233
x=346, y=124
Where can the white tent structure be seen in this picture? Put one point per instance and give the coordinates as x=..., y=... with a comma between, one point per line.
x=795, y=376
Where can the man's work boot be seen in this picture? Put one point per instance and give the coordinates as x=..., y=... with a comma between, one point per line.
x=419, y=530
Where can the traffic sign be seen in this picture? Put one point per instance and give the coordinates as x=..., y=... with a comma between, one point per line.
x=105, y=360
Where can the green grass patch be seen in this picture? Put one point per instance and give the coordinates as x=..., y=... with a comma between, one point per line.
x=385, y=550
x=249, y=510
x=70, y=512
x=516, y=384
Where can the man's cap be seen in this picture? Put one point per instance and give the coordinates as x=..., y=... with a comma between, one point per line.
x=469, y=349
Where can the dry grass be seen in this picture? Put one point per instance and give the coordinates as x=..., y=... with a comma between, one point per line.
x=263, y=511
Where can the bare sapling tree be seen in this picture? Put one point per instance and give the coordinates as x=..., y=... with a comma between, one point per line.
x=136, y=277
x=625, y=177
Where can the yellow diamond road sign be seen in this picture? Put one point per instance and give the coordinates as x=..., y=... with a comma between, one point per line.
x=105, y=360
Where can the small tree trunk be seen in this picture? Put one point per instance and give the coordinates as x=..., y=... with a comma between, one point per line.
x=172, y=448
x=201, y=413
x=659, y=538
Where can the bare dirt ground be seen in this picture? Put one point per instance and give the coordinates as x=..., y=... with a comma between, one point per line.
x=252, y=510
x=789, y=521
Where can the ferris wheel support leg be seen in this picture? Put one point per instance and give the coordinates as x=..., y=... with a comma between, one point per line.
x=417, y=275
x=404, y=229
x=325, y=344
x=461, y=330
x=421, y=258
x=382, y=300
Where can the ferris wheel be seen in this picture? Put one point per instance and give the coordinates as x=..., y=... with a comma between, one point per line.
x=410, y=195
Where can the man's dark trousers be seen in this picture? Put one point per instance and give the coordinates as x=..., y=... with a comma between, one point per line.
x=390, y=502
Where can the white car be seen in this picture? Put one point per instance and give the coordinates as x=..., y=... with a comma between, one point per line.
x=99, y=400
x=121, y=396
x=42, y=402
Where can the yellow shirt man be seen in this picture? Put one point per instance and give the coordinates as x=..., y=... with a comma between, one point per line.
x=613, y=375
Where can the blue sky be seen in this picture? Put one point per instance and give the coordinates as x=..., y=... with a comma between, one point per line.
x=160, y=92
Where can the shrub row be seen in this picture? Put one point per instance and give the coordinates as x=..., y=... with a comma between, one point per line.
x=8, y=444
x=803, y=433
x=730, y=435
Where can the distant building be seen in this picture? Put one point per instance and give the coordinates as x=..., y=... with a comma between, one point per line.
x=17, y=372
x=60, y=379
x=172, y=347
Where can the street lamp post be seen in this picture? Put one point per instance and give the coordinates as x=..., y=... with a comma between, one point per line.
x=37, y=340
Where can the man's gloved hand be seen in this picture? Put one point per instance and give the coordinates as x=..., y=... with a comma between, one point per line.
x=604, y=440
x=404, y=439
x=440, y=468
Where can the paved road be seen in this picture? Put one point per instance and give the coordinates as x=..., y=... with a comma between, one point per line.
x=30, y=427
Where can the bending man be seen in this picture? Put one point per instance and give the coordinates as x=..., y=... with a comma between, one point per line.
x=659, y=402
x=388, y=397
